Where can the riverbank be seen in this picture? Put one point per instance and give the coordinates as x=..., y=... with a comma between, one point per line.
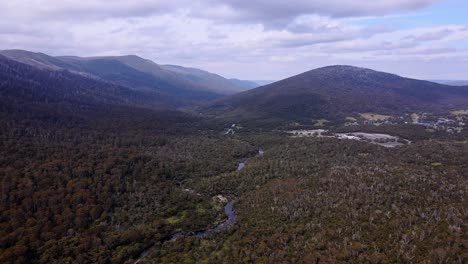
x=228, y=211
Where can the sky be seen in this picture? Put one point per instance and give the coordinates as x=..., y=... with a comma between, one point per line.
x=251, y=39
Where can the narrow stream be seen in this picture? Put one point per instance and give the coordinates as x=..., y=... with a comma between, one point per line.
x=242, y=164
x=232, y=219
x=228, y=211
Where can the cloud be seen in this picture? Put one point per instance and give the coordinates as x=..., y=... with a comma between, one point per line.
x=261, y=11
x=277, y=13
x=313, y=23
x=86, y=9
x=237, y=38
x=438, y=34
x=403, y=42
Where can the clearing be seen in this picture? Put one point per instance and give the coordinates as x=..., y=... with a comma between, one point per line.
x=372, y=116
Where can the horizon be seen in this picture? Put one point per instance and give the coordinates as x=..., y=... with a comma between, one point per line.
x=252, y=41
x=259, y=82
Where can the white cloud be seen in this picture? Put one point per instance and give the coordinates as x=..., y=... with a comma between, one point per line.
x=270, y=11
x=246, y=39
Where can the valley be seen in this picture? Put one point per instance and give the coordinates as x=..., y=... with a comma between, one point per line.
x=234, y=132
x=118, y=168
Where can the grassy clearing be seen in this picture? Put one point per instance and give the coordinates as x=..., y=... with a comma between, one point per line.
x=173, y=220
x=415, y=117
x=320, y=122
x=460, y=112
x=200, y=209
x=177, y=218
x=372, y=116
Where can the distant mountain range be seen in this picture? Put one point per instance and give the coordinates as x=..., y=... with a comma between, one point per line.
x=263, y=82
x=452, y=82
x=173, y=86
x=335, y=92
x=36, y=81
x=246, y=84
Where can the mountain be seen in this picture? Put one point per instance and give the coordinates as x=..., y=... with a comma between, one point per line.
x=452, y=82
x=263, y=82
x=175, y=86
x=39, y=60
x=32, y=97
x=335, y=92
x=23, y=85
x=204, y=79
x=247, y=85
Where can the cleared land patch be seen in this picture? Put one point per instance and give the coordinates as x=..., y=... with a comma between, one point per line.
x=460, y=112
x=373, y=116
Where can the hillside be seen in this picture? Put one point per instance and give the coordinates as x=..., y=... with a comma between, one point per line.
x=75, y=154
x=22, y=83
x=245, y=83
x=205, y=80
x=335, y=92
x=175, y=88
x=452, y=82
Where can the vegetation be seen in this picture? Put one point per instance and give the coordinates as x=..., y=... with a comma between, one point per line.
x=325, y=200
x=321, y=122
x=95, y=173
x=372, y=116
x=336, y=92
x=105, y=192
x=460, y=112
x=86, y=177
x=167, y=85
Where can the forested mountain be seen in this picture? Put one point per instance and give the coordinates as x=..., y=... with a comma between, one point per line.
x=23, y=86
x=209, y=80
x=174, y=85
x=337, y=91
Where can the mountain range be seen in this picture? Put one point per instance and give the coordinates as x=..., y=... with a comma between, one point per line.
x=332, y=93
x=263, y=82
x=174, y=86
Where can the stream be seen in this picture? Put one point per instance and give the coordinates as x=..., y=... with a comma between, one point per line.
x=228, y=211
x=242, y=164
x=232, y=219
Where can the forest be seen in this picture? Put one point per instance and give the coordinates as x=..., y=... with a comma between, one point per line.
x=96, y=176
x=105, y=189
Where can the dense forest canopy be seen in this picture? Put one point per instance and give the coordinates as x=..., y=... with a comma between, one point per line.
x=94, y=172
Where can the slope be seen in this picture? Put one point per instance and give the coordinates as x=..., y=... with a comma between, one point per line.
x=337, y=91
x=174, y=88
